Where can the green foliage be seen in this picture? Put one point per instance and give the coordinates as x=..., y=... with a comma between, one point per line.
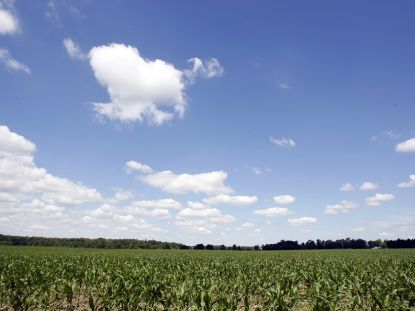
x=39, y=278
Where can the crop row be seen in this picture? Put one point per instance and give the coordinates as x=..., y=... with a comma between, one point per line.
x=192, y=280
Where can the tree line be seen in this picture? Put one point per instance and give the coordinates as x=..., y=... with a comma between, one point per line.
x=88, y=243
x=153, y=244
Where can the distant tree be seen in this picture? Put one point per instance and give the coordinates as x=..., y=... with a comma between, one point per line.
x=210, y=247
x=256, y=247
x=199, y=246
x=234, y=247
x=310, y=244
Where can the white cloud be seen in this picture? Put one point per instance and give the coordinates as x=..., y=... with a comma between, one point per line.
x=231, y=200
x=386, y=134
x=52, y=12
x=378, y=198
x=210, y=183
x=73, y=49
x=124, y=218
x=19, y=175
x=347, y=187
x=273, y=211
x=367, y=186
x=104, y=211
x=301, y=220
x=196, y=225
x=198, y=217
x=248, y=225
x=406, y=146
x=9, y=24
x=142, y=89
x=156, y=208
x=284, y=199
x=11, y=62
x=38, y=227
x=342, y=207
x=191, y=212
x=283, y=86
x=223, y=218
x=197, y=205
x=408, y=184
x=209, y=69
x=139, y=88
x=257, y=170
x=158, y=204
x=282, y=142
x=137, y=166
x=121, y=196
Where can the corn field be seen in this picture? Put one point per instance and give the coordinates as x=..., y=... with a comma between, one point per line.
x=40, y=278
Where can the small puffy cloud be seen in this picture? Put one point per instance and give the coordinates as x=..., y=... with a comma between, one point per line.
x=386, y=134
x=406, y=146
x=342, y=207
x=160, y=213
x=208, y=69
x=231, y=200
x=367, y=186
x=208, y=183
x=284, y=199
x=283, y=86
x=258, y=170
x=408, y=184
x=9, y=24
x=191, y=212
x=104, y=211
x=11, y=62
x=301, y=220
x=347, y=187
x=156, y=208
x=197, y=205
x=73, y=49
x=121, y=196
x=273, y=211
x=139, y=88
x=200, y=218
x=132, y=166
x=158, y=204
x=248, y=225
x=223, y=218
x=124, y=218
x=378, y=198
x=282, y=142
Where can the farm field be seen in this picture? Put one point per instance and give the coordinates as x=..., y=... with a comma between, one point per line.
x=47, y=278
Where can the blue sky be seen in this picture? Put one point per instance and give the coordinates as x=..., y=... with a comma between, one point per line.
x=216, y=122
